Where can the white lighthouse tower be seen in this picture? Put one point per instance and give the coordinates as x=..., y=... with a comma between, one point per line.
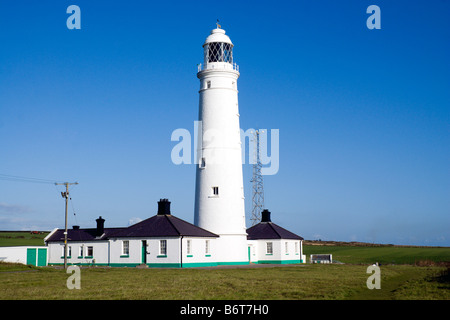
x=219, y=194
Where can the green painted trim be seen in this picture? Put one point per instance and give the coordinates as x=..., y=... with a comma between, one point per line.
x=164, y=265
x=199, y=264
x=89, y=257
x=277, y=261
x=162, y=256
x=158, y=265
x=189, y=255
x=125, y=256
x=237, y=263
x=80, y=257
x=68, y=257
x=207, y=255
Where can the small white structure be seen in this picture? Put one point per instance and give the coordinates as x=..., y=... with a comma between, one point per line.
x=270, y=243
x=321, y=258
x=219, y=193
x=32, y=255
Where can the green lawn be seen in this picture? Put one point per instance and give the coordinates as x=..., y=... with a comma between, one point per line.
x=300, y=282
x=401, y=279
x=382, y=254
x=21, y=238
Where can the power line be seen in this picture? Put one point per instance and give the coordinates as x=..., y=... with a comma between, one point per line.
x=8, y=177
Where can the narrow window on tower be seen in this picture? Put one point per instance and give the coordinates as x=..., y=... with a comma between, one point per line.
x=215, y=191
x=208, y=84
x=203, y=163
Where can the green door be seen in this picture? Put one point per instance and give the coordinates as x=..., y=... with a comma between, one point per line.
x=42, y=257
x=31, y=256
x=144, y=251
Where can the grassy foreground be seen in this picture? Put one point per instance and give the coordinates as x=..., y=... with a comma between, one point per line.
x=312, y=282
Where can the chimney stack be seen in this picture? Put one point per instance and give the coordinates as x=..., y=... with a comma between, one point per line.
x=76, y=227
x=163, y=207
x=265, y=216
x=100, y=226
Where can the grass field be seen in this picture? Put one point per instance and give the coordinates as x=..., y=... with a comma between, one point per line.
x=381, y=254
x=406, y=273
x=21, y=238
x=301, y=282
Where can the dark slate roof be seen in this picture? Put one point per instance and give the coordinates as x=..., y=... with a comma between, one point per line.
x=156, y=226
x=269, y=230
x=82, y=234
x=163, y=226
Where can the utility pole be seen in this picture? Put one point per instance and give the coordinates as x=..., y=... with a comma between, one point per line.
x=66, y=196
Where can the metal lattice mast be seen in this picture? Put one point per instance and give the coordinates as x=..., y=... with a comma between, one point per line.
x=258, y=185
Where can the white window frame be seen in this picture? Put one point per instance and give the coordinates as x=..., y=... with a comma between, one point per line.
x=215, y=191
x=80, y=251
x=163, y=247
x=286, y=247
x=189, y=247
x=207, y=247
x=269, y=245
x=90, y=248
x=125, y=247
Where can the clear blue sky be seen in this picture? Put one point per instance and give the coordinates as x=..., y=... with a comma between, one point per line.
x=363, y=115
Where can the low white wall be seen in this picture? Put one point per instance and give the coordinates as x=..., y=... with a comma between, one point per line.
x=16, y=254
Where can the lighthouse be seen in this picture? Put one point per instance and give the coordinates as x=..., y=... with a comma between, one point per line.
x=219, y=191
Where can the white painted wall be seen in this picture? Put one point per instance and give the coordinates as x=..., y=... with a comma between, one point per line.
x=100, y=252
x=279, y=253
x=16, y=254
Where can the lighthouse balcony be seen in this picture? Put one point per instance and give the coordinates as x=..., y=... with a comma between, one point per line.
x=218, y=66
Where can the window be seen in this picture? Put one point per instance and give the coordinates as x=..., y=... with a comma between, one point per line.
x=125, y=247
x=220, y=52
x=296, y=247
x=269, y=248
x=208, y=84
x=202, y=163
x=215, y=191
x=69, y=251
x=189, y=247
x=90, y=252
x=80, y=252
x=162, y=247
x=207, y=247
x=286, y=248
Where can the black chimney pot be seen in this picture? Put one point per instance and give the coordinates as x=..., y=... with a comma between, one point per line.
x=100, y=226
x=76, y=227
x=163, y=207
x=265, y=216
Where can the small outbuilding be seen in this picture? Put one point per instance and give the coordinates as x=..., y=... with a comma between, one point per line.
x=270, y=243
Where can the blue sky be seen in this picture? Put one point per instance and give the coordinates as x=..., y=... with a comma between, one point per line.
x=363, y=115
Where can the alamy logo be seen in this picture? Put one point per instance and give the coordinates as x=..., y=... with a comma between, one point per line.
x=74, y=20
x=74, y=281
x=374, y=281
x=188, y=150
